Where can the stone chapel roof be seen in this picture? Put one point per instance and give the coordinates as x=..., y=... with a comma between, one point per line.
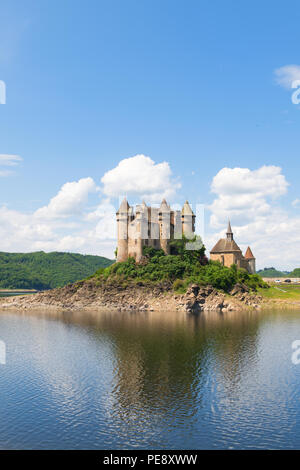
x=225, y=246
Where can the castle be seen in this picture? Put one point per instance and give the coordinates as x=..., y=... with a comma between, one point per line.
x=228, y=252
x=156, y=227
x=151, y=226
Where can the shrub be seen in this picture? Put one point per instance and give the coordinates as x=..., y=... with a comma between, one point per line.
x=183, y=268
x=179, y=286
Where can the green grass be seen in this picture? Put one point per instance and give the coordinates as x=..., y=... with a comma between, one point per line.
x=281, y=292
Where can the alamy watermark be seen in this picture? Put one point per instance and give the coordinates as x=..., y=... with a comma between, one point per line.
x=2, y=353
x=161, y=222
x=2, y=92
x=296, y=354
x=296, y=94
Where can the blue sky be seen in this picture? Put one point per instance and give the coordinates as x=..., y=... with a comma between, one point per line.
x=190, y=83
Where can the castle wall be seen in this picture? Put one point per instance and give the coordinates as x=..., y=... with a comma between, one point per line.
x=252, y=267
x=226, y=259
x=149, y=227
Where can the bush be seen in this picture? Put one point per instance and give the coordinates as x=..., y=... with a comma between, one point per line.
x=181, y=269
x=179, y=286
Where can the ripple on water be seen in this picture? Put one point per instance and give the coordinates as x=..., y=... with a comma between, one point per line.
x=149, y=381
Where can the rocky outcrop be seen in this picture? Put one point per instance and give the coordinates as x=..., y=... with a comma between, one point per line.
x=125, y=296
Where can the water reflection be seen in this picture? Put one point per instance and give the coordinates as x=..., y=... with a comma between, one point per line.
x=160, y=380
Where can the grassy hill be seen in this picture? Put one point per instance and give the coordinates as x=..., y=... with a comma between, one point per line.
x=295, y=273
x=272, y=272
x=46, y=270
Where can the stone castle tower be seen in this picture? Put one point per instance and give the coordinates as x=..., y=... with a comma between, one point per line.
x=228, y=252
x=151, y=226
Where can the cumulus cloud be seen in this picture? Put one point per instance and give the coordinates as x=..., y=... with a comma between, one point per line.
x=249, y=199
x=105, y=218
x=140, y=176
x=244, y=193
x=70, y=199
x=69, y=223
x=8, y=160
x=285, y=76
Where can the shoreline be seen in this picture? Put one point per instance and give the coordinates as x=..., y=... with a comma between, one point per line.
x=129, y=296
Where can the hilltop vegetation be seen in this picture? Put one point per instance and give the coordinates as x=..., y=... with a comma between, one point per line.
x=272, y=272
x=46, y=270
x=182, y=268
x=295, y=273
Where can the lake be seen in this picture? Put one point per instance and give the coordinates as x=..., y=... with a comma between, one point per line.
x=150, y=381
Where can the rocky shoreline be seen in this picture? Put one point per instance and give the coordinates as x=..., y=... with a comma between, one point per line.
x=129, y=296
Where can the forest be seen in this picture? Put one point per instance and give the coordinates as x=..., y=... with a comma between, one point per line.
x=41, y=270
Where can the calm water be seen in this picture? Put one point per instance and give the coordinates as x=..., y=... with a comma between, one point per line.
x=123, y=381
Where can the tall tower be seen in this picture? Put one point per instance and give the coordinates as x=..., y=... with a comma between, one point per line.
x=142, y=230
x=164, y=215
x=122, y=227
x=251, y=260
x=188, y=220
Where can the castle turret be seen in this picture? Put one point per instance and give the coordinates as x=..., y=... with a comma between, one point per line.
x=251, y=260
x=142, y=230
x=164, y=226
x=122, y=227
x=188, y=220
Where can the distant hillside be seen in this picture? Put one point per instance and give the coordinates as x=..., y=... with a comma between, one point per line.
x=272, y=272
x=295, y=273
x=46, y=270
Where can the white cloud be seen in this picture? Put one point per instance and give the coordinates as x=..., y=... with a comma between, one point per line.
x=105, y=217
x=296, y=203
x=266, y=181
x=248, y=198
x=244, y=193
x=70, y=199
x=67, y=222
x=8, y=160
x=285, y=76
x=140, y=176
x=5, y=172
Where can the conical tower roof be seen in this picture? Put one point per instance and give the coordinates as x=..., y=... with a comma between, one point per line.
x=186, y=209
x=164, y=206
x=249, y=254
x=124, y=207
